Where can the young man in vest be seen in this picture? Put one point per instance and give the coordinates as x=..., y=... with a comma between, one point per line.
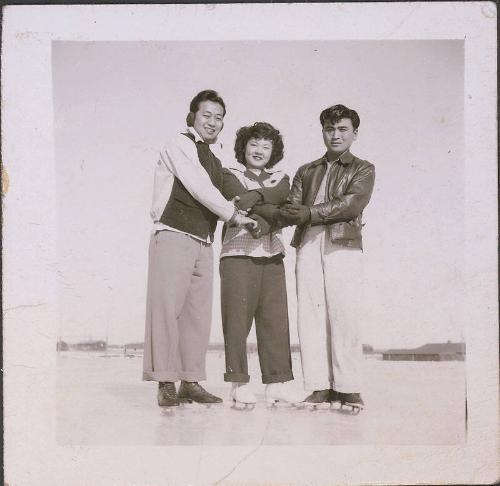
x=186, y=206
x=327, y=200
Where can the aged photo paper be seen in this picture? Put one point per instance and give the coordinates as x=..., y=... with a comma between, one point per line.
x=90, y=94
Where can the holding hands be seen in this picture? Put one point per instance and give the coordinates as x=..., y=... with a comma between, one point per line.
x=295, y=213
x=240, y=217
x=247, y=201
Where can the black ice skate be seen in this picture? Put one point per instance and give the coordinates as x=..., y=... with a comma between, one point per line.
x=167, y=396
x=318, y=400
x=192, y=391
x=352, y=400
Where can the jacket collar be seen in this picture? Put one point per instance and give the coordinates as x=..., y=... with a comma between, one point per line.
x=241, y=168
x=344, y=159
x=197, y=137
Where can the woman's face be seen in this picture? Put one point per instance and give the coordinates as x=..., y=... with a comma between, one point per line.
x=258, y=152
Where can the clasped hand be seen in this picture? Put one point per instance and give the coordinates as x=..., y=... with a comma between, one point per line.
x=295, y=213
x=240, y=218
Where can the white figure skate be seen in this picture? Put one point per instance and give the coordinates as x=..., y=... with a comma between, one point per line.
x=242, y=397
x=282, y=393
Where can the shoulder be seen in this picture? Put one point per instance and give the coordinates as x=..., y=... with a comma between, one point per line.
x=235, y=169
x=363, y=164
x=234, y=172
x=180, y=141
x=276, y=175
x=304, y=168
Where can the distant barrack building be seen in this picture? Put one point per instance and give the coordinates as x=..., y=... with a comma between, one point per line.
x=82, y=346
x=428, y=352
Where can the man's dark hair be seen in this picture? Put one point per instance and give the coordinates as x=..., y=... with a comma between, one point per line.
x=259, y=130
x=335, y=113
x=206, y=95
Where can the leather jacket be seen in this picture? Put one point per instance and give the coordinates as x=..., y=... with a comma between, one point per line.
x=348, y=191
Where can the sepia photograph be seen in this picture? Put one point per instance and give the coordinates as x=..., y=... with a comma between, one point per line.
x=248, y=258
x=384, y=309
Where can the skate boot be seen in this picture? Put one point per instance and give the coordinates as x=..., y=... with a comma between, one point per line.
x=192, y=391
x=335, y=400
x=242, y=396
x=319, y=400
x=352, y=400
x=282, y=393
x=167, y=396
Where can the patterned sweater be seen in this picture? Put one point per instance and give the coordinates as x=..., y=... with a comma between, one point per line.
x=274, y=186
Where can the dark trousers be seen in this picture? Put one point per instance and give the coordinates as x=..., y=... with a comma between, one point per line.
x=255, y=288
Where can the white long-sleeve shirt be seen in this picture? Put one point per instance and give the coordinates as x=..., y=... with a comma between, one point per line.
x=179, y=158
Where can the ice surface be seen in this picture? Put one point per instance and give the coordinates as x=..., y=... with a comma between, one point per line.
x=102, y=401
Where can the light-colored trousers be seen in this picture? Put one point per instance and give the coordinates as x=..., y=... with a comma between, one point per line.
x=179, y=307
x=329, y=280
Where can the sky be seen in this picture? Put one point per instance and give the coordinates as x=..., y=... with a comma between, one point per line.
x=116, y=103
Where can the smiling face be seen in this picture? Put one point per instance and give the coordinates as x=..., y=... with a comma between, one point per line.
x=208, y=120
x=258, y=152
x=338, y=137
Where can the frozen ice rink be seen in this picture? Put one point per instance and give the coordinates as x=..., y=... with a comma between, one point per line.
x=102, y=401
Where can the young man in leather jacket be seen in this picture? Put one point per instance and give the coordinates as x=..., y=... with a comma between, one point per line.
x=327, y=200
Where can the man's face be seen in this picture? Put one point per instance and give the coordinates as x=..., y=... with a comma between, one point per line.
x=208, y=120
x=338, y=137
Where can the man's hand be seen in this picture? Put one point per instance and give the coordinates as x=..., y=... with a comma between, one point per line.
x=263, y=227
x=235, y=201
x=240, y=219
x=295, y=213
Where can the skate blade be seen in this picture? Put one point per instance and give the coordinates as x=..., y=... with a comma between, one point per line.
x=350, y=409
x=274, y=403
x=190, y=403
x=242, y=407
x=194, y=404
x=313, y=407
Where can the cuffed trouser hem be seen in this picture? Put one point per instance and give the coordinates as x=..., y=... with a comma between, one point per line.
x=346, y=390
x=160, y=376
x=281, y=378
x=173, y=376
x=316, y=386
x=236, y=377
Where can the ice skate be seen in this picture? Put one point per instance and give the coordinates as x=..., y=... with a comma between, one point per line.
x=192, y=391
x=335, y=400
x=352, y=401
x=282, y=393
x=319, y=400
x=167, y=396
x=242, y=397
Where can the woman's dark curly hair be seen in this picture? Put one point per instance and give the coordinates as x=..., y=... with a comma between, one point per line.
x=259, y=130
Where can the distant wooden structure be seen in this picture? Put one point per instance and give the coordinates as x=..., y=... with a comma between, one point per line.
x=90, y=346
x=62, y=346
x=428, y=352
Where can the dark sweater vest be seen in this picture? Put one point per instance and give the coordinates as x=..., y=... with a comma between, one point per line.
x=183, y=211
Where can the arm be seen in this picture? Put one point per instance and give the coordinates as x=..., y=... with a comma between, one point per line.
x=267, y=211
x=349, y=205
x=262, y=228
x=181, y=158
x=277, y=194
x=295, y=196
x=232, y=187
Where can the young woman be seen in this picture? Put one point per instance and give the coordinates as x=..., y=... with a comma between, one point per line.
x=251, y=268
